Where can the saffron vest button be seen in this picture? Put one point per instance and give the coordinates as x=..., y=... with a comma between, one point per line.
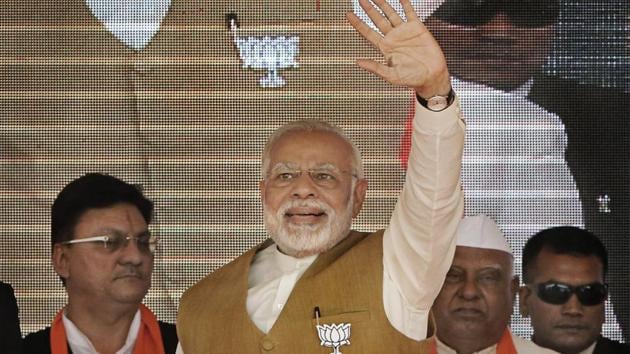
x=267, y=344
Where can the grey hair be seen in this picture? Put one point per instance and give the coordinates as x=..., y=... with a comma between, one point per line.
x=311, y=125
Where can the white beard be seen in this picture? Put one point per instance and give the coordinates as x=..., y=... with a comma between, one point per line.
x=306, y=240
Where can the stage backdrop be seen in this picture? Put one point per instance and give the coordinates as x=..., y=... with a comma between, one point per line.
x=185, y=113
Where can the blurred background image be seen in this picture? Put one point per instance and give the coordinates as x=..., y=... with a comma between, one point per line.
x=157, y=94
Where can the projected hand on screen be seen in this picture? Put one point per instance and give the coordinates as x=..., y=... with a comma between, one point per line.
x=413, y=57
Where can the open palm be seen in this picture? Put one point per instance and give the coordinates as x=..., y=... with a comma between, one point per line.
x=413, y=57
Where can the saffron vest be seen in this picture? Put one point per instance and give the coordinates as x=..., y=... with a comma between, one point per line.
x=345, y=283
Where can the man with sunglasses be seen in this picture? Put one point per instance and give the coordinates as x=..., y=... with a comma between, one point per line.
x=564, y=270
x=103, y=252
x=500, y=43
x=473, y=310
x=504, y=44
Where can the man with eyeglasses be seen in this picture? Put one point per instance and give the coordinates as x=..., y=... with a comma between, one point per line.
x=564, y=270
x=504, y=44
x=103, y=252
x=472, y=311
x=316, y=286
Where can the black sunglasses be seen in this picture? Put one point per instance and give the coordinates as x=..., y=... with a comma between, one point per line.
x=558, y=293
x=522, y=13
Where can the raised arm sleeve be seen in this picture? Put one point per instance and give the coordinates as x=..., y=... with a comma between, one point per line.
x=419, y=243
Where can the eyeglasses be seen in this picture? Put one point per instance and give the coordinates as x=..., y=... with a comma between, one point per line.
x=328, y=178
x=117, y=241
x=558, y=293
x=522, y=13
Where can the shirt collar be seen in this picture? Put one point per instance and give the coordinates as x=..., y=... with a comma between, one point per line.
x=80, y=343
x=524, y=89
x=134, y=23
x=288, y=263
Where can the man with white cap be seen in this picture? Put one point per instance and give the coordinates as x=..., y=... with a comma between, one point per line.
x=473, y=309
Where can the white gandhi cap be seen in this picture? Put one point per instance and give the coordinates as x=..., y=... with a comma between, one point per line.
x=480, y=231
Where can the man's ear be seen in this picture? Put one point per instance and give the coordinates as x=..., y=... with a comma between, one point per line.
x=60, y=260
x=360, y=189
x=261, y=188
x=523, y=294
x=514, y=286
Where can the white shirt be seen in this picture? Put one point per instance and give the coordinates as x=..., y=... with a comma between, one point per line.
x=272, y=276
x=133, y=22
x=418, y=244
x=521, y=345
x=81, y=344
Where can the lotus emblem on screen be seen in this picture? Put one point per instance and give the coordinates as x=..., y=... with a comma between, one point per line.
x=267, y=53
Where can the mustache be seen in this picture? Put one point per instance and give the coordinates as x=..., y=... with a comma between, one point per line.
x=324, y=207
x=130, y=271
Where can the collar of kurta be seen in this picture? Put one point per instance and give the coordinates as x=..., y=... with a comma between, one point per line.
x=504, y=346
x=148, y=341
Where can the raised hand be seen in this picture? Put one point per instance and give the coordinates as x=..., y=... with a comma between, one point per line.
x=413, y=57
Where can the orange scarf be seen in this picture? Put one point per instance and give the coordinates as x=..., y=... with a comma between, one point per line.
x=149, y=340
x=505, y=345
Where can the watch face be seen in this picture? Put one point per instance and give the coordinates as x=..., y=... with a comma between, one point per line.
x=437, y=103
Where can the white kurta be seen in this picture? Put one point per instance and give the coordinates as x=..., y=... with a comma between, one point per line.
x=81, y=344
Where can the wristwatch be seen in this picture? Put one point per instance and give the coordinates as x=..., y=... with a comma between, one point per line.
x=437, y=103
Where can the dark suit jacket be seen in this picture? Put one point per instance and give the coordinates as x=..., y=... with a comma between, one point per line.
x=10, y=334
x=597, y=124
x=607, y=346
x=39, y=342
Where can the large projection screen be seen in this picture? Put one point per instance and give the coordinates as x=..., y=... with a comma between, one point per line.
x=185, y=118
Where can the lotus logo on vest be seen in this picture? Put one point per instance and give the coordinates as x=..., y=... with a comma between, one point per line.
x=334, y=335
